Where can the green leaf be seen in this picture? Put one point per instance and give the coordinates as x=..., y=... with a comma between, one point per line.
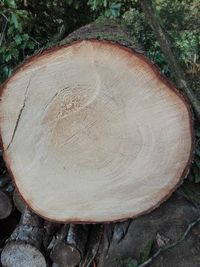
x=14, y=52
x=6, y=71
x=105, y=3
x=31, y=44
x=18, y=39
x=7, y=57
x=10, y=3
x=115, y=9
x=144, y=254
x=69, y=2
x=131, y=263
x=76, y=5
x=14, y=20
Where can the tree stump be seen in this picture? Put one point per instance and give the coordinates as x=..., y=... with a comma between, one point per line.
x=92, y=132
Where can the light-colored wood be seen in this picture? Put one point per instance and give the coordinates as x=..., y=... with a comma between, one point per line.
x=91, y=132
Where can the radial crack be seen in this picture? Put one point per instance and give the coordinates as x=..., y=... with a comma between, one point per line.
x=20, y=114
x=54, y=96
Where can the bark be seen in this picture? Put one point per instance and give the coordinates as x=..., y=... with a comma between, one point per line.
x=104, y=29
x=23, y=247
x=165, y=45
x=71, y=249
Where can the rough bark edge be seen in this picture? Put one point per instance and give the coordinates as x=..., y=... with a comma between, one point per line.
x=160, y=77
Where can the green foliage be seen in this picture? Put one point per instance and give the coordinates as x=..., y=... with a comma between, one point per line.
x=144, y=255
x=182, y=21
x=106, y=8
x=131, y=263
x=28, y=25
x=15, y=41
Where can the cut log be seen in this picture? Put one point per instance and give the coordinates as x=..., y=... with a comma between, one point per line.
x=92, y=132
x=23, y=247
x=70, y=250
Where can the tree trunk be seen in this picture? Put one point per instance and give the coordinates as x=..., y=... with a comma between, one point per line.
x=105, y=137
x=23, y=247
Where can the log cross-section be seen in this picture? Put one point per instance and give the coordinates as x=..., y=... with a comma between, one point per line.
x=92, y=132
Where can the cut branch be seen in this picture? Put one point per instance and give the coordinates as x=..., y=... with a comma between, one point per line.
x=183, y=237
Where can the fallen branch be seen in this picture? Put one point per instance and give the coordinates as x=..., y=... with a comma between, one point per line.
x=155, y=255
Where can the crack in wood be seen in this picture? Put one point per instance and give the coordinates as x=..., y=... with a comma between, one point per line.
x=54, y=96
x=20, y=114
